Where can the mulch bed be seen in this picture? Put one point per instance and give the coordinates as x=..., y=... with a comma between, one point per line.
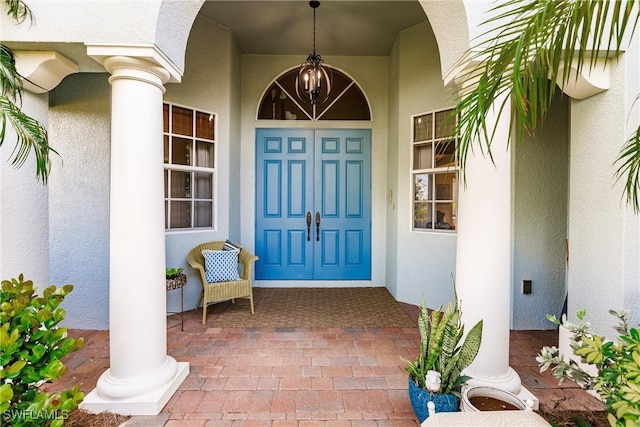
x=80, y=418
x=575, y=419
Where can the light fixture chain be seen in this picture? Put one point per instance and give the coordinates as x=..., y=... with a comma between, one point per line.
x=313, y=83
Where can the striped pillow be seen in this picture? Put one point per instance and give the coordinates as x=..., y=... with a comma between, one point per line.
x=230, y=246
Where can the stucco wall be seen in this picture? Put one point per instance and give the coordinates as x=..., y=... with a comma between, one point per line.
x=79, y=128
x=425, y=260
x=371, y=73
x=210, y=82
x=540, y=170
x=392, y=171
x=24, y=210
x=603, y=231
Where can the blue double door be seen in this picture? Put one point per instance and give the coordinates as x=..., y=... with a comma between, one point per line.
x=313, y=204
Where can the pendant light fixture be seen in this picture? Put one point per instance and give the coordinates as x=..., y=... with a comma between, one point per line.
x=313, y=83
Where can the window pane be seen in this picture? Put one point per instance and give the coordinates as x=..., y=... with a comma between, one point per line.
x=203, y=214
x=205, y=152
x=445, y=152
x=421, y=215
x=181, y=151
x=182, y=121
x=166, y=183
x=422, y=158
x=445, y=216
x=180, y=184
x=180, y=214
x=166, y=149
x=435, y=171
x=188, y=144
x=166, y=212
x=444, y=124
x=421, y=187
x=165, y=117
x=203, y=185
x=204, y=125
x=423, y=127
x=444, y=186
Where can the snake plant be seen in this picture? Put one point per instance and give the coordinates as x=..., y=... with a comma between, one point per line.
x=442, y=348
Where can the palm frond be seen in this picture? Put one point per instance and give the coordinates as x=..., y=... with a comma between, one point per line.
x=18, y=10
x=629, y=161
x=9, y=76
x=529, y=43
x=31, y=135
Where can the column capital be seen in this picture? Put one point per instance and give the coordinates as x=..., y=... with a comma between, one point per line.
x=144, y=58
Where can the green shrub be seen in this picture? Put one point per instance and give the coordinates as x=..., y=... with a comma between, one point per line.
x=617, y=363
x=31, y=346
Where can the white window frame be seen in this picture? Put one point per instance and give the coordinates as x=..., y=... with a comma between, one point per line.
x=190, y=169
x=432, y=171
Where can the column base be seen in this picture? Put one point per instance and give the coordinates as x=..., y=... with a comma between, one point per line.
x=145, y=404
x=509, y=382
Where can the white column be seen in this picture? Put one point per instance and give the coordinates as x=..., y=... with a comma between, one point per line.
x=483, y=263
x=141, y=377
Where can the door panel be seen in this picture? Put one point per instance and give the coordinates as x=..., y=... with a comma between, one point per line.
x=343, y=195
x=283, y=193
x=323, y=176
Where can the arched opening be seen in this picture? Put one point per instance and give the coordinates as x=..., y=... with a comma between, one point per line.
x=346, y=101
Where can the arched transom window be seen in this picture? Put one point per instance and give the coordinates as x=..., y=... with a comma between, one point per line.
x=346, y=101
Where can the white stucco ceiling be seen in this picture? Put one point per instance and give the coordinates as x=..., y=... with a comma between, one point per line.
x=349, y=28
x=266, y=27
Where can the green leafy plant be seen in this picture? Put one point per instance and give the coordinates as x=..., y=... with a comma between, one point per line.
x=172, y=273
x=31, y=346
x=442, y=350
x=617, y=365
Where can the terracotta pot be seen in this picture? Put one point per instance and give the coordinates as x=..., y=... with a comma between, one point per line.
x=420, y=397
x=490, y=392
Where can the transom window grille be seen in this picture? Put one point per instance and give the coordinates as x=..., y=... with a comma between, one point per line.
x=434, y=172
x=189, y=167
x=346, y=101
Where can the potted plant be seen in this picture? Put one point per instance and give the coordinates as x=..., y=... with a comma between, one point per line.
x=436, y=375
x=610, y=368
x=172, y=273
x=175, y=278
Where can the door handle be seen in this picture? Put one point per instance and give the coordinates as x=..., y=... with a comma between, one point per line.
x=317, y=226
x=308, y=226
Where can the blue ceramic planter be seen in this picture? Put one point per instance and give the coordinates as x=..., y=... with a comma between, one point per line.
x=419, y=398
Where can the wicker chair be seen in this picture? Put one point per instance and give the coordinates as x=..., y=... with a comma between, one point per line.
x=222, y=291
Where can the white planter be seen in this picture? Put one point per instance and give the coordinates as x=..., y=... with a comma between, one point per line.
x=492, y=392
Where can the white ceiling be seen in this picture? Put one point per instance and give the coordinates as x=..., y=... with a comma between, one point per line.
x=343, y=28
